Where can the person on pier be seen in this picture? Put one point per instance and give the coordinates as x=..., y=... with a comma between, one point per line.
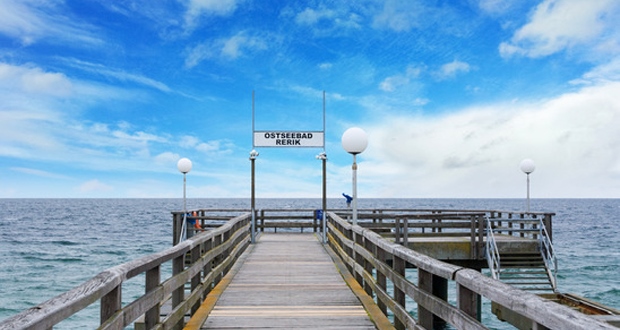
x=349, y=199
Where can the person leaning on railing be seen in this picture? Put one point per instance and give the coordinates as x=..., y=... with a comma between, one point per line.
x=193, y=221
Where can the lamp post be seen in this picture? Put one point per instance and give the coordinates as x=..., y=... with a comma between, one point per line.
x=323, y=157
x=527, y=166
x=184, y=165
x=253, y=155
x=354, y=141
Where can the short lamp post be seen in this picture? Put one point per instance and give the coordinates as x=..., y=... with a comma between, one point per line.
x=527, y=166
x=184, y=165
x=253, y=155
x=323, y=157
x=354, y=141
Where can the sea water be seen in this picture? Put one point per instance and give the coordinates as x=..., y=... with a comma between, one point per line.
x=48, y=246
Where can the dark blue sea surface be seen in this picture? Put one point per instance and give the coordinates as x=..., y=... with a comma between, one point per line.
x=48, y=246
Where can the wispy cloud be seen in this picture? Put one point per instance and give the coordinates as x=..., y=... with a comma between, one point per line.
x=557, y=25
x=199, y=8
x=39, y=173
x=30, y=79
x=391, y=83
x=452, y=69
x=329, y=21
x=32, y=21
x=229, y=48
x=118, y=74
x=94, y=186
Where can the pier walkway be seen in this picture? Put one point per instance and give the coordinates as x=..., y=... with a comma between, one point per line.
x=287, y=280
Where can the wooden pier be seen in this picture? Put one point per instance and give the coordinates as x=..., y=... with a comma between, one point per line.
x=348, y=276
x=287, y=280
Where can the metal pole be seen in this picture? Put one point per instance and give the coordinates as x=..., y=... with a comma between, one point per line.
x=354, y=167
x=184, y=202
x=528, y=192
x=184, y=224
x=324, y=199
x=253, y=229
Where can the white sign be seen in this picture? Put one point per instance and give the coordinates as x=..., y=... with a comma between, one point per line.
x=288, y=139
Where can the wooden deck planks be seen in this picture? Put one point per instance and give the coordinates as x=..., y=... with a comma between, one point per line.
x=288, y=281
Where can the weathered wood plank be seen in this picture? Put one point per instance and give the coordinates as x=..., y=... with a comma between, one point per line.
x=288, y=281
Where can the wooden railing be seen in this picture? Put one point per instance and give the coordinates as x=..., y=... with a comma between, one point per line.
x=200, y=261
x=366, y=253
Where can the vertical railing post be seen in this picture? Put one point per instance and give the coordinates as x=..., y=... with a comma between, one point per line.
x=405, y=232
x=178, y=294
x=368, y=246
x=397, y=230
x=217, y=240
x=436, y=286
x=469, y=302
x=110, y=304
x=549, y=225
x=481, y=233
x=399, y=267
x=177, y=225
x=196, y=280
x=381, y=278
x=152, y=280
x=208, y=246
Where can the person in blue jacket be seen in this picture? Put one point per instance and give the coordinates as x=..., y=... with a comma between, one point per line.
x=349, y=199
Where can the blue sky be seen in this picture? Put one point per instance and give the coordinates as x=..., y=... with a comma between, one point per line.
x=101, y=98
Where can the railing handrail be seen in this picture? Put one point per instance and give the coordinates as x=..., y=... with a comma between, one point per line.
x=104, y=286
x=352, y=244
x=548, y=254
x=491, y=251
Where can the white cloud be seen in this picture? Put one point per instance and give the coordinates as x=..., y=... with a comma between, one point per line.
x=34, y=21
x=609, y=71
x=198, y=8
x=94, y=186
x=34, y=80
x=120, y=75
x=312, y=16
x=391, y=83
x=450, y=70
x=39, y=173
x=476, y=152
x=557, y=25
x=225, y=48
x=400, y=15
x=496, y=7
x=329, y=21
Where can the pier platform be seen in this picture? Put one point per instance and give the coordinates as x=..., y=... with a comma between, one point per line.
x=287, y=280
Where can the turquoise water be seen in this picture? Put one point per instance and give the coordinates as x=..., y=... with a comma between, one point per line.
x=48, y=246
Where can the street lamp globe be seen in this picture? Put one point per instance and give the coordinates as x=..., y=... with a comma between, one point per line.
x=184, y=165
x=354, y=140
x=527, y=166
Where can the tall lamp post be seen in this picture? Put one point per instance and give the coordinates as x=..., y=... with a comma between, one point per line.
x=184, y=165
x=253, y=155
x=527, y=166
x=323, y=157
x=354, y=141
